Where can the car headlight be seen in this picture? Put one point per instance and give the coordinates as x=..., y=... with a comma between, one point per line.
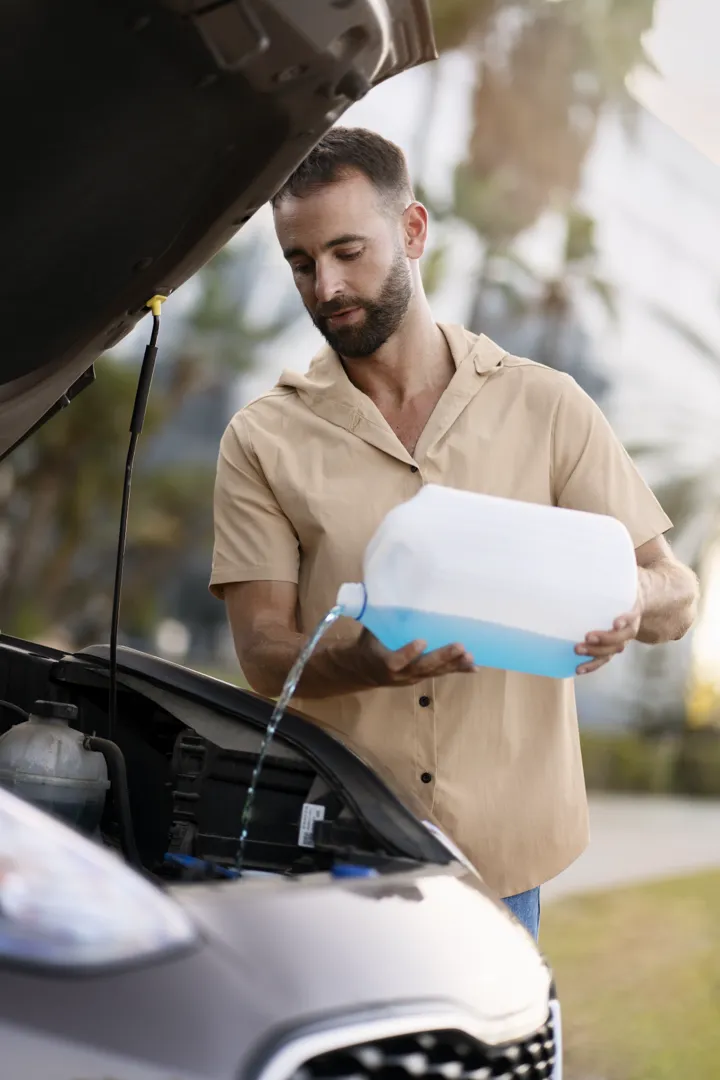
x=67, y=902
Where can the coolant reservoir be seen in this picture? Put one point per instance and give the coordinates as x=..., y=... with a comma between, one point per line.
x=44, y=762
x=517, y=584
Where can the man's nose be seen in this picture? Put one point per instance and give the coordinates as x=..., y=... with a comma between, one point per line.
x=328, y=283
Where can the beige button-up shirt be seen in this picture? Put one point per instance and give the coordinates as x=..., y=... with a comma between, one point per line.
x=305, y=475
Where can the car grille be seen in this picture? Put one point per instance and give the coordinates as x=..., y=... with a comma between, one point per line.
x=447, y=1055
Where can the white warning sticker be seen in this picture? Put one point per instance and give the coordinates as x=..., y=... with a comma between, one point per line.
x=311, y=813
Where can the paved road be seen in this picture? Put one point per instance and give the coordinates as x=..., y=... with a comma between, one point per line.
x=640, y=838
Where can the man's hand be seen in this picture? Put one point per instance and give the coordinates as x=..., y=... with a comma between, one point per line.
x=601, y=645
x=263, y=617
x=665, y=608
x=371, y=661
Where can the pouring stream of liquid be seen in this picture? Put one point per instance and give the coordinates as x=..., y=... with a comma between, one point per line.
x=277, y=714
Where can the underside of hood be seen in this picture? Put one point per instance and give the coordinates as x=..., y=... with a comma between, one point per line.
x=140, y=138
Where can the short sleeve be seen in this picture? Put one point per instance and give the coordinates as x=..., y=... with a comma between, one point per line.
x=254, y=541
x=594, y=472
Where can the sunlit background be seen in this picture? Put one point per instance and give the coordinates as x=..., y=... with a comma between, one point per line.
x=565, y=151
x=568, y=152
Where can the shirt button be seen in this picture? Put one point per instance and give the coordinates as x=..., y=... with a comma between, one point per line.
x=426, y=778
x=413, y=468
x=424, y=701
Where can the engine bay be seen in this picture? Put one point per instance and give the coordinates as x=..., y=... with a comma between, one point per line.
x=189, y=744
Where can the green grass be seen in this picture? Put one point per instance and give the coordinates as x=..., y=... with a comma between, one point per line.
x=638, y=976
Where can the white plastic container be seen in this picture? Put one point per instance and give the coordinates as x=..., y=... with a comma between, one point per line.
x=519, y=585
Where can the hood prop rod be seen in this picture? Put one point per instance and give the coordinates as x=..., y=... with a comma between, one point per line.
x=136, y=425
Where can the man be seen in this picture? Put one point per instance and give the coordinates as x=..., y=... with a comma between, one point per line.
x=308, y=471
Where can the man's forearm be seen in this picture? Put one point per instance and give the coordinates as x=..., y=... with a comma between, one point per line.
x=263, y=620
x=330, y=671
x=668, y=596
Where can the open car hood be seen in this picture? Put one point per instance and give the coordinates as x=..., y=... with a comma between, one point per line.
x=141, y=137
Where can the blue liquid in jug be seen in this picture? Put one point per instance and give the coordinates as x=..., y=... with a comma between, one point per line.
x=490, y=644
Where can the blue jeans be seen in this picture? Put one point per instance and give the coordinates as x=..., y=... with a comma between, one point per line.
x=525, y=906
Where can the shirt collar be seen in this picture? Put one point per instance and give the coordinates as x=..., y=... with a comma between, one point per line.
x=329, y=393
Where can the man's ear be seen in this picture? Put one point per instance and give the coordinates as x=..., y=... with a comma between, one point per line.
x=415, y=229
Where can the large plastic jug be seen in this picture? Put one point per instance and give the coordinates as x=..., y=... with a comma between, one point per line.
x=519, y=585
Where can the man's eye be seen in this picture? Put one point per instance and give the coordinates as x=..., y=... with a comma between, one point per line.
x=302, y=268
x=348, y=256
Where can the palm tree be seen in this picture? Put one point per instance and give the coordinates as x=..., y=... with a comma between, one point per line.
x=544, y=73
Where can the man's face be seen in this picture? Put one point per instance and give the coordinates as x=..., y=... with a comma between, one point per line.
x=348, y=262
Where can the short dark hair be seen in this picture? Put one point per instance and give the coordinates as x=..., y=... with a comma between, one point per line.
x=348, y=149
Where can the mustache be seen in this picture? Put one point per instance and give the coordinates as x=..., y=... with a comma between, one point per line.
x=343, y=303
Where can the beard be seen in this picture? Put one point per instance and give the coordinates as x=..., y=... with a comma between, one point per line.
x=382, y=316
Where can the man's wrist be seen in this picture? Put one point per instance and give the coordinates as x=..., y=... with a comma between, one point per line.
x=344, y=660
x=642, y=591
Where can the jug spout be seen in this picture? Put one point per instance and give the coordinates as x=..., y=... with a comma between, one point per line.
x=352, y=598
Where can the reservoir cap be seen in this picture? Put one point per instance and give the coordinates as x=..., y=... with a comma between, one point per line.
x=352, y=870
x=55, y=710
x=352, y=598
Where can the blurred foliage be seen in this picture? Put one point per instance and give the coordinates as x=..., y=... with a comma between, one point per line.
x=433, y=267
x=625, y=761
x=551, y=295
x=62, y=514
x=544, y=73
x=697, y=765
x=685, y=763
x=60, y=500
x=457, y=20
